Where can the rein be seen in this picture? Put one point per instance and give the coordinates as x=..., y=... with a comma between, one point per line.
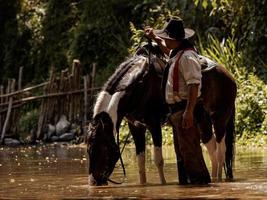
x=121, y=160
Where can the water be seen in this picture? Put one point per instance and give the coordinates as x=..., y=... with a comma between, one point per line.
x=60, y=172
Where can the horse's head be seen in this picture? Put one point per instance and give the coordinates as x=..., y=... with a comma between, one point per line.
x=153, y=52
x=103, y=152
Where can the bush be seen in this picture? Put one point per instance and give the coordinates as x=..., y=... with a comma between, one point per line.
x=28, y=122
x=251, y=107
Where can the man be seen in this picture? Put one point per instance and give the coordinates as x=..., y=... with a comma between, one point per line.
x=182, y=89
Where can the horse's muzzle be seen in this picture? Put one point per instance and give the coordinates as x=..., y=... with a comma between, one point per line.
x=93, y=182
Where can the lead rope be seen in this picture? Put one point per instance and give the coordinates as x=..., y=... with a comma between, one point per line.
x=149, y=51
x=122, y=164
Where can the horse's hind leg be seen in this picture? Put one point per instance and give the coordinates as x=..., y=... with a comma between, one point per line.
x=224, y=130
x=155, y=130
x=229, y=142
x=209, y=141
x=221, y=149
x=138, y=133
x=219, y=124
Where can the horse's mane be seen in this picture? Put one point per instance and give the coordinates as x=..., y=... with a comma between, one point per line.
x=126, y=74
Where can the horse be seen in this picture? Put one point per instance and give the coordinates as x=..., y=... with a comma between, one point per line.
x=134, y=92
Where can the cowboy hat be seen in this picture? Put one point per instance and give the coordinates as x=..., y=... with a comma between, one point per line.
x=174, y=30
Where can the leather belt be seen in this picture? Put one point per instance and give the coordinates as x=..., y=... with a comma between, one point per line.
x=177, y=106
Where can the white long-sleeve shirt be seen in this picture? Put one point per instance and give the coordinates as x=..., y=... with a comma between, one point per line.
x=189, y=73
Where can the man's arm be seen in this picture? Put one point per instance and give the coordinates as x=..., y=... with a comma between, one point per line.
x=188, y=116
x=162, y=45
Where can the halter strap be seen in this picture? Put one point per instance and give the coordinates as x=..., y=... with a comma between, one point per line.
x=176, y=74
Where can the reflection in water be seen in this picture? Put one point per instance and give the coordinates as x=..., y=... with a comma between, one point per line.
x=60, y=171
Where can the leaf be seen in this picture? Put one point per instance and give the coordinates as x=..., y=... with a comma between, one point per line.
x=205, y=4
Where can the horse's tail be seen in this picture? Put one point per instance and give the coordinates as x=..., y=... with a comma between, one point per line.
x=230, y=146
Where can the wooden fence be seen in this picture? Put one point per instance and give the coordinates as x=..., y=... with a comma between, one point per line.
x=68, y=94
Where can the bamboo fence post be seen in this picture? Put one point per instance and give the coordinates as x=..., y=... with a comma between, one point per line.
x=20, y=78
x=73, y=87
x=65, y=89
x=54, y=103
x=8, y=91
x=85, y=80
x=93, y=74
x=76, y=81
x=61, y=99
x=51, y=103
x=44, y=106
x=77, y=86
x=92, y=83
x=71, y=109
x=12, y=86
x=68, y=97
x=16, y=112
x=41, y=116
x=1, y=101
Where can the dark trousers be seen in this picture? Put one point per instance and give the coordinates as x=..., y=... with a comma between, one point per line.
x=190, y=162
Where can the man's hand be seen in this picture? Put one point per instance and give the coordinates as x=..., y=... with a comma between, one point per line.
x=149, y=33
x=188, y=116
x=187, y=119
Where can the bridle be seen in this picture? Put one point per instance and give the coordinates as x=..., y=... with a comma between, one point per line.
x=120, y=154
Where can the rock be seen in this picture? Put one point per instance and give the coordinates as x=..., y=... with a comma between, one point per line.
x=62, y=126
x=73, y=128
x=66, y=137
x=50, y=130
x=11, y=142
x=54, y=138
x=33, y=136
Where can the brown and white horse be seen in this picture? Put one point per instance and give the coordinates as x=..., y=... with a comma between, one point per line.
x=134, y=92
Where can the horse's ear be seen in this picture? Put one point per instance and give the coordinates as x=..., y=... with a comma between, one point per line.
x=153, y=48
x=156, y=50
x=91, y=131
x=142, y=51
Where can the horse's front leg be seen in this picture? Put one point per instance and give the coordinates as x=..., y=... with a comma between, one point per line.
x=155, y=130
x=138, y=132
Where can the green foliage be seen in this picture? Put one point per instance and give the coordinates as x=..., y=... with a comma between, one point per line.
x=167, y=137
x=125, y=137
x=245, y=21
x=157, y=15
x=103, y=39
x=225, y=53
x=57, y=35
x=28, y=122
x=251, y=107
x=9, y=38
